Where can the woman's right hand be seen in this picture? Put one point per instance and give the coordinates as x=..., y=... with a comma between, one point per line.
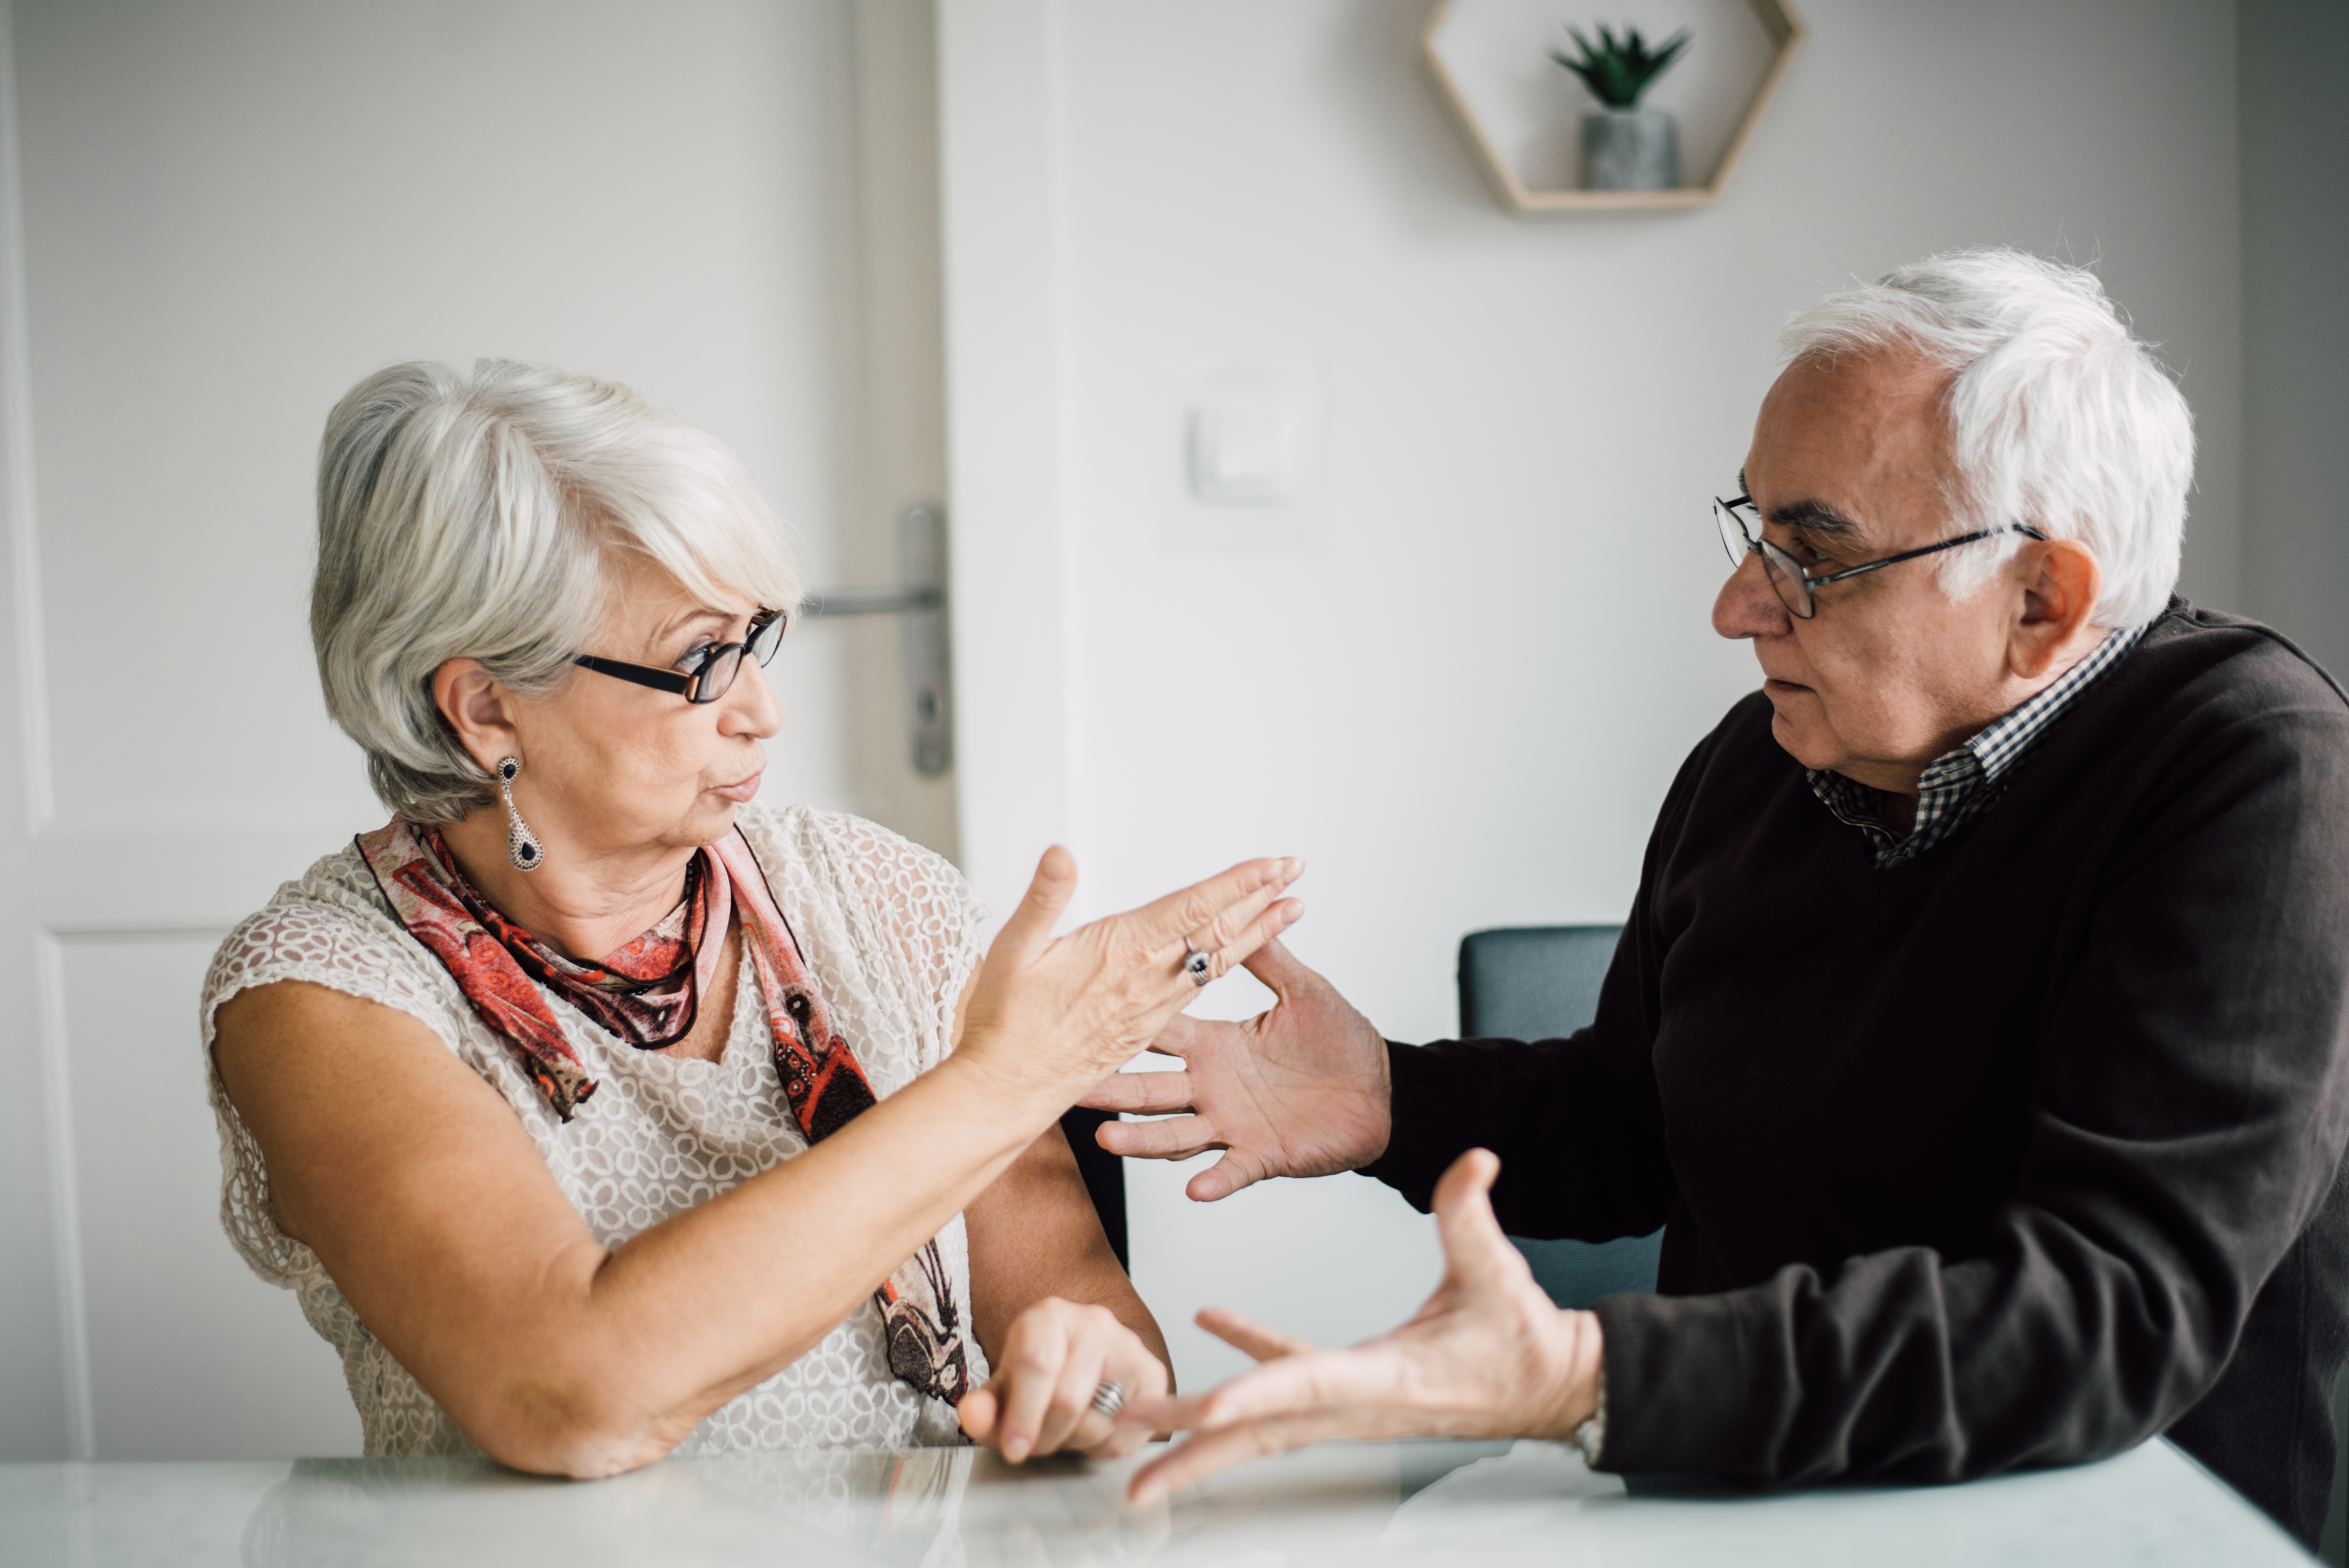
x=1055, y=1014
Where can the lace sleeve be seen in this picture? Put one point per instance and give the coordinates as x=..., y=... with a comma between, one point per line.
x=297, y=938
x=302, y=940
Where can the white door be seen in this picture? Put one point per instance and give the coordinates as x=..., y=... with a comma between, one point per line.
x=214, y=217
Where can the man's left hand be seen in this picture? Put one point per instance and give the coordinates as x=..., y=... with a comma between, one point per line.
x=1488, y=1357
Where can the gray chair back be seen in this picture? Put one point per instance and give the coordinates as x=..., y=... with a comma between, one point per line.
x=1540, y=983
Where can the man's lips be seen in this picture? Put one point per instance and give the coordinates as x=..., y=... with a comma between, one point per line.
x=1773, y=686
x=743, y=789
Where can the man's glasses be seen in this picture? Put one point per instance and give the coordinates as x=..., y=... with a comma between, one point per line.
x=1794, y=585
x=705, y=674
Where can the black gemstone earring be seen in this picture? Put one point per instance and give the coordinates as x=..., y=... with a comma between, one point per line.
x=523, y=847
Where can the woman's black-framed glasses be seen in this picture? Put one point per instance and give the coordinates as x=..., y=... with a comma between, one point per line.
x=705, y=674
x=1793, y=584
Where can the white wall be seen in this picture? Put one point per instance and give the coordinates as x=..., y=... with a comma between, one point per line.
x=1463, y=700
x=2295, y=151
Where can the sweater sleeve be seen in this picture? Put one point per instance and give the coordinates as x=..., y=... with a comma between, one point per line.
x=1577, y=1123
x=2190, y=1109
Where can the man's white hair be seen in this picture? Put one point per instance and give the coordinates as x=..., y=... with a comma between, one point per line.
x=474, y=516
x=2059, y=416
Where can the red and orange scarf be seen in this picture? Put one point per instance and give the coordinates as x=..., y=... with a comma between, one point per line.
x=647, y=993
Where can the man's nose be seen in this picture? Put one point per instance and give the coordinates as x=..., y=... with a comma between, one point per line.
x=1747, y=606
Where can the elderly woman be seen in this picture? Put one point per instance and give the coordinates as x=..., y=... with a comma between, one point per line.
x=596, y=1110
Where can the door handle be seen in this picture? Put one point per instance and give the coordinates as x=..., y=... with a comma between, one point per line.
x=921, y=599
x=873, y=601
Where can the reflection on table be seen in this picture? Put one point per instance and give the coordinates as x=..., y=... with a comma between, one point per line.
x=1340, y=1503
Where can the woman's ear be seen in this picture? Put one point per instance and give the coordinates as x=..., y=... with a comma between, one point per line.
x=2060, y=592
x=474, y=705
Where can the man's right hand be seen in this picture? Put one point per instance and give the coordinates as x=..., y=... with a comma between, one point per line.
x=1300, y=1089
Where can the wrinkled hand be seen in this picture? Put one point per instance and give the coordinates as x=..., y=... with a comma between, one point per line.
x=1488, y=1357
x=1056, y=1012
x=1040, y=1400
x=1300, y=1089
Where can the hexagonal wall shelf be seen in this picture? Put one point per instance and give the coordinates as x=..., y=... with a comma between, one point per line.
x=1521, y=112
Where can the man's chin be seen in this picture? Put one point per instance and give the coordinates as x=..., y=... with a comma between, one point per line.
x=1799, y=739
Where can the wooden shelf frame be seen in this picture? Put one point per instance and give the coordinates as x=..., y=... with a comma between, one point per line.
x=1779, y=20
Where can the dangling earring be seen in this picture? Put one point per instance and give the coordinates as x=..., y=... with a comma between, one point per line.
x=523, y=847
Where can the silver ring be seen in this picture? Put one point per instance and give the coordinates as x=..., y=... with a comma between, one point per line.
x=1107, y=1401
x=1194, y=965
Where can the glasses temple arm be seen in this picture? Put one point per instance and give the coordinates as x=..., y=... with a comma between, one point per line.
x=659, y=680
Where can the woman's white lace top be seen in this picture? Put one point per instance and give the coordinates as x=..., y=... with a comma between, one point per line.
x=889, y=931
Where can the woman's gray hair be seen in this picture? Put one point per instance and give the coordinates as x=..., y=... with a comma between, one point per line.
x=474, y=516
x=2059, y=416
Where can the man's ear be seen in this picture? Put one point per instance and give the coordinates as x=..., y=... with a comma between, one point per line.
x=473, y=704
x=2062, y=582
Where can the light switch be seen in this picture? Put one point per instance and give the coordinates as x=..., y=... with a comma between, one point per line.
x=1239, y=461
x=1244, y=451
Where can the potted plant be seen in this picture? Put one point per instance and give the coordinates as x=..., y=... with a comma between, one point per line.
x=1625, y=146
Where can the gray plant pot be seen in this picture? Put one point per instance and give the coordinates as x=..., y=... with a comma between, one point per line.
x=1631, y=150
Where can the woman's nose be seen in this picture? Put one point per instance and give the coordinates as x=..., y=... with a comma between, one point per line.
x=1747, y=606
x=749, y=708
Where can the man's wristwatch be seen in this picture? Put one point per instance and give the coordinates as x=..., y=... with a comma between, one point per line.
x=1592, y=1436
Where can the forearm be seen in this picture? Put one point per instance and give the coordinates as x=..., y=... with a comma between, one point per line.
x=1093, y=1279
x=761, y=1273
x=1897, y=1367
x=2105, y=1303
x=1034, y=1234
x=1116, y=1292
x=1577, y=1123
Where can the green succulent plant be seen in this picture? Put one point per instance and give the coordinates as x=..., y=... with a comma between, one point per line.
x=1618, y=70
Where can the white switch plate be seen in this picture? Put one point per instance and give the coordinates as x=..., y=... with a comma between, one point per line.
x=1244, y=455
x=1244, y=451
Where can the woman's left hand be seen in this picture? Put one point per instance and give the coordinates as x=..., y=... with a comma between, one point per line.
x=1040, y=1402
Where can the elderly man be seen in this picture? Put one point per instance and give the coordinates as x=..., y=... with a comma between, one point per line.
x=1977, y=1035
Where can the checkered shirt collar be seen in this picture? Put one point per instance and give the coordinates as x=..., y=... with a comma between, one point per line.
x=1962, y=784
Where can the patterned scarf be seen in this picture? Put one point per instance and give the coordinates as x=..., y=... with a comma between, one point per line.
x=647, y=993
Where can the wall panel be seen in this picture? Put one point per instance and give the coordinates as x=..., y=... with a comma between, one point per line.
x=192, y=1355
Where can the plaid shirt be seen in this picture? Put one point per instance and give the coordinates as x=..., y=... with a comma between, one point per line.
x=1962, y=785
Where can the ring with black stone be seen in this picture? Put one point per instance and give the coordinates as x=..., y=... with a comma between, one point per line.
x=1194, y=965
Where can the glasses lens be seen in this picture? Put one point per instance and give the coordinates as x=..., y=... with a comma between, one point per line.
x=1787, y=577
x=718, y=675
x=1734, y=537
x=765, y=639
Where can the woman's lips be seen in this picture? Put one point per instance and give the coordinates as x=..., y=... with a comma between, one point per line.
x=744, y=790
x=1776, y=687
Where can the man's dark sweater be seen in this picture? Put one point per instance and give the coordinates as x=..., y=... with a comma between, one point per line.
x=2016, y=1154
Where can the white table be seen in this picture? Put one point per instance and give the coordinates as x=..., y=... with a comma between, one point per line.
x=1368, y=1503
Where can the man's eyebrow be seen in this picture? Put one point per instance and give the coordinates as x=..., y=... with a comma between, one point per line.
x=1814, y=517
